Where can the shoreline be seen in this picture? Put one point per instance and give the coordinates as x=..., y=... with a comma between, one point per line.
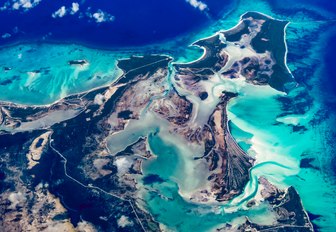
x=204, y=54
x=128, y=50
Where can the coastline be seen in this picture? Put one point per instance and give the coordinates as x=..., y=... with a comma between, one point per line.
x=203, y=55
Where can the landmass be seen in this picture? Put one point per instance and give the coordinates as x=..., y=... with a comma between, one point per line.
x=78, y=162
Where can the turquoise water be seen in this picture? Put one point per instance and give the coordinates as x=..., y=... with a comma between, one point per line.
x=243, y=138
x=279, y=150
x=169, y=208
x=43, y=75
x=167, y=154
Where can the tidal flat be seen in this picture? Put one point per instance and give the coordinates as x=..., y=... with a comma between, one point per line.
x=159, y=145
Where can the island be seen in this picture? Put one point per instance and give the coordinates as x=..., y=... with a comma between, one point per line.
x=79, y=162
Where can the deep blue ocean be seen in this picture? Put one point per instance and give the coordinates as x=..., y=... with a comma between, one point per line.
x=134, y=22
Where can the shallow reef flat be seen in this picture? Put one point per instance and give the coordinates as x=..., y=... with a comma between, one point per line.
x=158, y=137
x=56, y=71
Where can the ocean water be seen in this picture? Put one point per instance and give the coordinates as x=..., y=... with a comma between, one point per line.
x=278, y=130
x=169, y=207
x=42, y=73
x=126, y=22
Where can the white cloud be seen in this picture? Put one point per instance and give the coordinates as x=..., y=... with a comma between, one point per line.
x=5, y=6
x=101, y=16
x=99, y=99
x=85, y=226
x=60, y=12
x=25, y=4
x=74, y=8
x=6, y=36
x=197, y=4
x=63, y=10
x=16, y=199
x=124, y=221
x=122, y=164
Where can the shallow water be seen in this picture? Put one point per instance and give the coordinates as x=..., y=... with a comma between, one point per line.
x=259, y=121
x=42, y=73
x=165, y=202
